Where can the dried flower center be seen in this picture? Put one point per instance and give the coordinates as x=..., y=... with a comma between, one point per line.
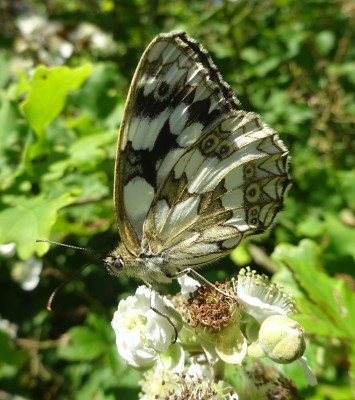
x=209, y=308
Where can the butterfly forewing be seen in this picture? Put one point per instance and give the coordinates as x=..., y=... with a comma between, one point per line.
x=176, y=94
x=194, y=173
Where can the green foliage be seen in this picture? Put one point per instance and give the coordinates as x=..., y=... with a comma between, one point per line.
x=29, y=218
x=324, y=303
x=48, y=92
x=290, y=61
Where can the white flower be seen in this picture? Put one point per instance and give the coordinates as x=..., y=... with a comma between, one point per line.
x=311, y=379
x=172, y=359
x=188, y=284
x=195, y=383
x=280, y=338
x=8, y=327
x=8, y=250
x=141, y=333
x=30, y=24
x=27, y=272
x=262, y=298
x=199, y=368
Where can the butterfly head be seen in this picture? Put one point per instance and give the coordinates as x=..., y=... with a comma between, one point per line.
x=114, y=264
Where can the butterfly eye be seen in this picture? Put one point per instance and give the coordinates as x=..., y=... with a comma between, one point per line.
x=114, y=264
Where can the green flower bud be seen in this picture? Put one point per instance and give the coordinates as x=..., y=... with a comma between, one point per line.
x=282, y=339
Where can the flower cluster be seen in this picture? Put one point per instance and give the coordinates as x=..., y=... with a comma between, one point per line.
x=184, y=343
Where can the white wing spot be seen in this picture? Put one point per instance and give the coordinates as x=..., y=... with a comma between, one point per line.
x=190, y=134
x=137, y=196
x=178, y=119
x=170, y=54
x=201, y=93
x=143, y=131
x=168, y=163
x=181, y=216
x=233, y=199
x=156, y=52
x=238, y=220
x=161, y=210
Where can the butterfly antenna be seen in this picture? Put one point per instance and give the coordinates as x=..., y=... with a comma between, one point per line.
x=54, y=293
x=74, y=275
x=64, y=245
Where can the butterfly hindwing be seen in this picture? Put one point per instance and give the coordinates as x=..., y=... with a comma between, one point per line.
x=228, y=185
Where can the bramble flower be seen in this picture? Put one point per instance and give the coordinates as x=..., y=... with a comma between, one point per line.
x=216, y=319
x=188, y=284
x=8, y=250
x=194, y=383
x=221, y=325
x=261, y=298
x=141, y=333
x=272, y=333
x=27, y=272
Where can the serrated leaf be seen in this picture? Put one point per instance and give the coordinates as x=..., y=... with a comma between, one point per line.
x=48, y=93
x=27, y=220
x=332, y=297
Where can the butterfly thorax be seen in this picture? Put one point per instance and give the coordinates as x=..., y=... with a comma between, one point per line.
x=145, y=265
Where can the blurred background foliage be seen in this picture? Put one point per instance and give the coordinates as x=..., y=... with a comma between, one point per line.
x=65, y=69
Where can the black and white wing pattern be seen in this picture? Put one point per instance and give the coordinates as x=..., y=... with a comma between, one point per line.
x=194, y=173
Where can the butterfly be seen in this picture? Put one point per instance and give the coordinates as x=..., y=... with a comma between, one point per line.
x=194, y=173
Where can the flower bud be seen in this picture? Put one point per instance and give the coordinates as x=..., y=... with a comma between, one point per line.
x=282, y=339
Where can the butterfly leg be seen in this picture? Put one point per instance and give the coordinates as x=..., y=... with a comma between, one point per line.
x=152, y=307
x=191, y=272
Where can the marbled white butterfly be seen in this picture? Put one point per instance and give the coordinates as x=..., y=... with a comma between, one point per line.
x=194, y=174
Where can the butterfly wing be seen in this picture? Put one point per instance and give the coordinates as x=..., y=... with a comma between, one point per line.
x=228, y=185
x=176, y=95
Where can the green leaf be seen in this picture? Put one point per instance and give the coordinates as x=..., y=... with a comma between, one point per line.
x=90, y=151
x=328, y=305
x=26, y=220
x=85, y=344
x=97, y=97
x=48, y=93
x=342, y=236
x=9, y=354
x=4, y=68
x=12, y=139
x=347, y=186
x=241, y=255
x=325, y=41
